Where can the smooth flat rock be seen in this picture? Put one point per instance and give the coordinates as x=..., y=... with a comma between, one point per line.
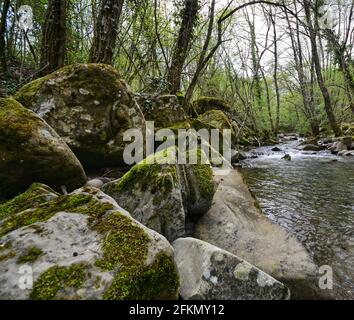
x=210, y=273
x=235, y=224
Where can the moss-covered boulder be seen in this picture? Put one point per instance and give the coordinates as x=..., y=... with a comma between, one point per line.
x=164, y=110
x=31, y=151
x=90, y=107
x=83, y=246
x=215, y=119
x=153, y=195
x=36, y=194
x=197, y=184
x=162, y=195
x=205, y=104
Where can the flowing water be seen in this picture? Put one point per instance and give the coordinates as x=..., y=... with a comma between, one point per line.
x=313, y=197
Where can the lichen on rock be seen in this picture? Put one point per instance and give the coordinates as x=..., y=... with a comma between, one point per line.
x=90, y=107
x=210, y=273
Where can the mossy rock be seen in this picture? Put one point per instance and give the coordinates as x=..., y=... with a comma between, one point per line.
x=162, y=195
x=216, y=119
x=31, y=151
x=181, y=125
x=37, y=194
x=151, y=193
x=90, y=107
x=84, y=246
x=205, y=104
x=164, y=110
x=200, y=188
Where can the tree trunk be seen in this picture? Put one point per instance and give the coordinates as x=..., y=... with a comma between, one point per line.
x=276, y=84
x=202, y=61
x=182, y=46
x=269, y=106
x=105, y=35
x=307, y=97
x=53, y=49
x=313, y=30
x=255, y=66
x=3, y=59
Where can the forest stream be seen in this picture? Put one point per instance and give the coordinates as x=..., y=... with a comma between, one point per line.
x=312, y=196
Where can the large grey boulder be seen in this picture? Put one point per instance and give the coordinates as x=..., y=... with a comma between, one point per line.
x=210, y=273
x=90, y=107
x=31, y=151
x=235, y=224
x=161, y=195
x=83, y=246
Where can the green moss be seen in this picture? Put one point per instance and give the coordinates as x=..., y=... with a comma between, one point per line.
x=180, y=125
x=125, y=248
x=7, y=256
x=125, y=245
x=162, y=177
x=31, y=255
x=77, y=203
x=204, y=104
x=57, y=278
x=204, y=177
x=34, y=196
x=180, y=97
x=157, y=281
x=16, y=123
x=216, y=119
x=28, y=92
